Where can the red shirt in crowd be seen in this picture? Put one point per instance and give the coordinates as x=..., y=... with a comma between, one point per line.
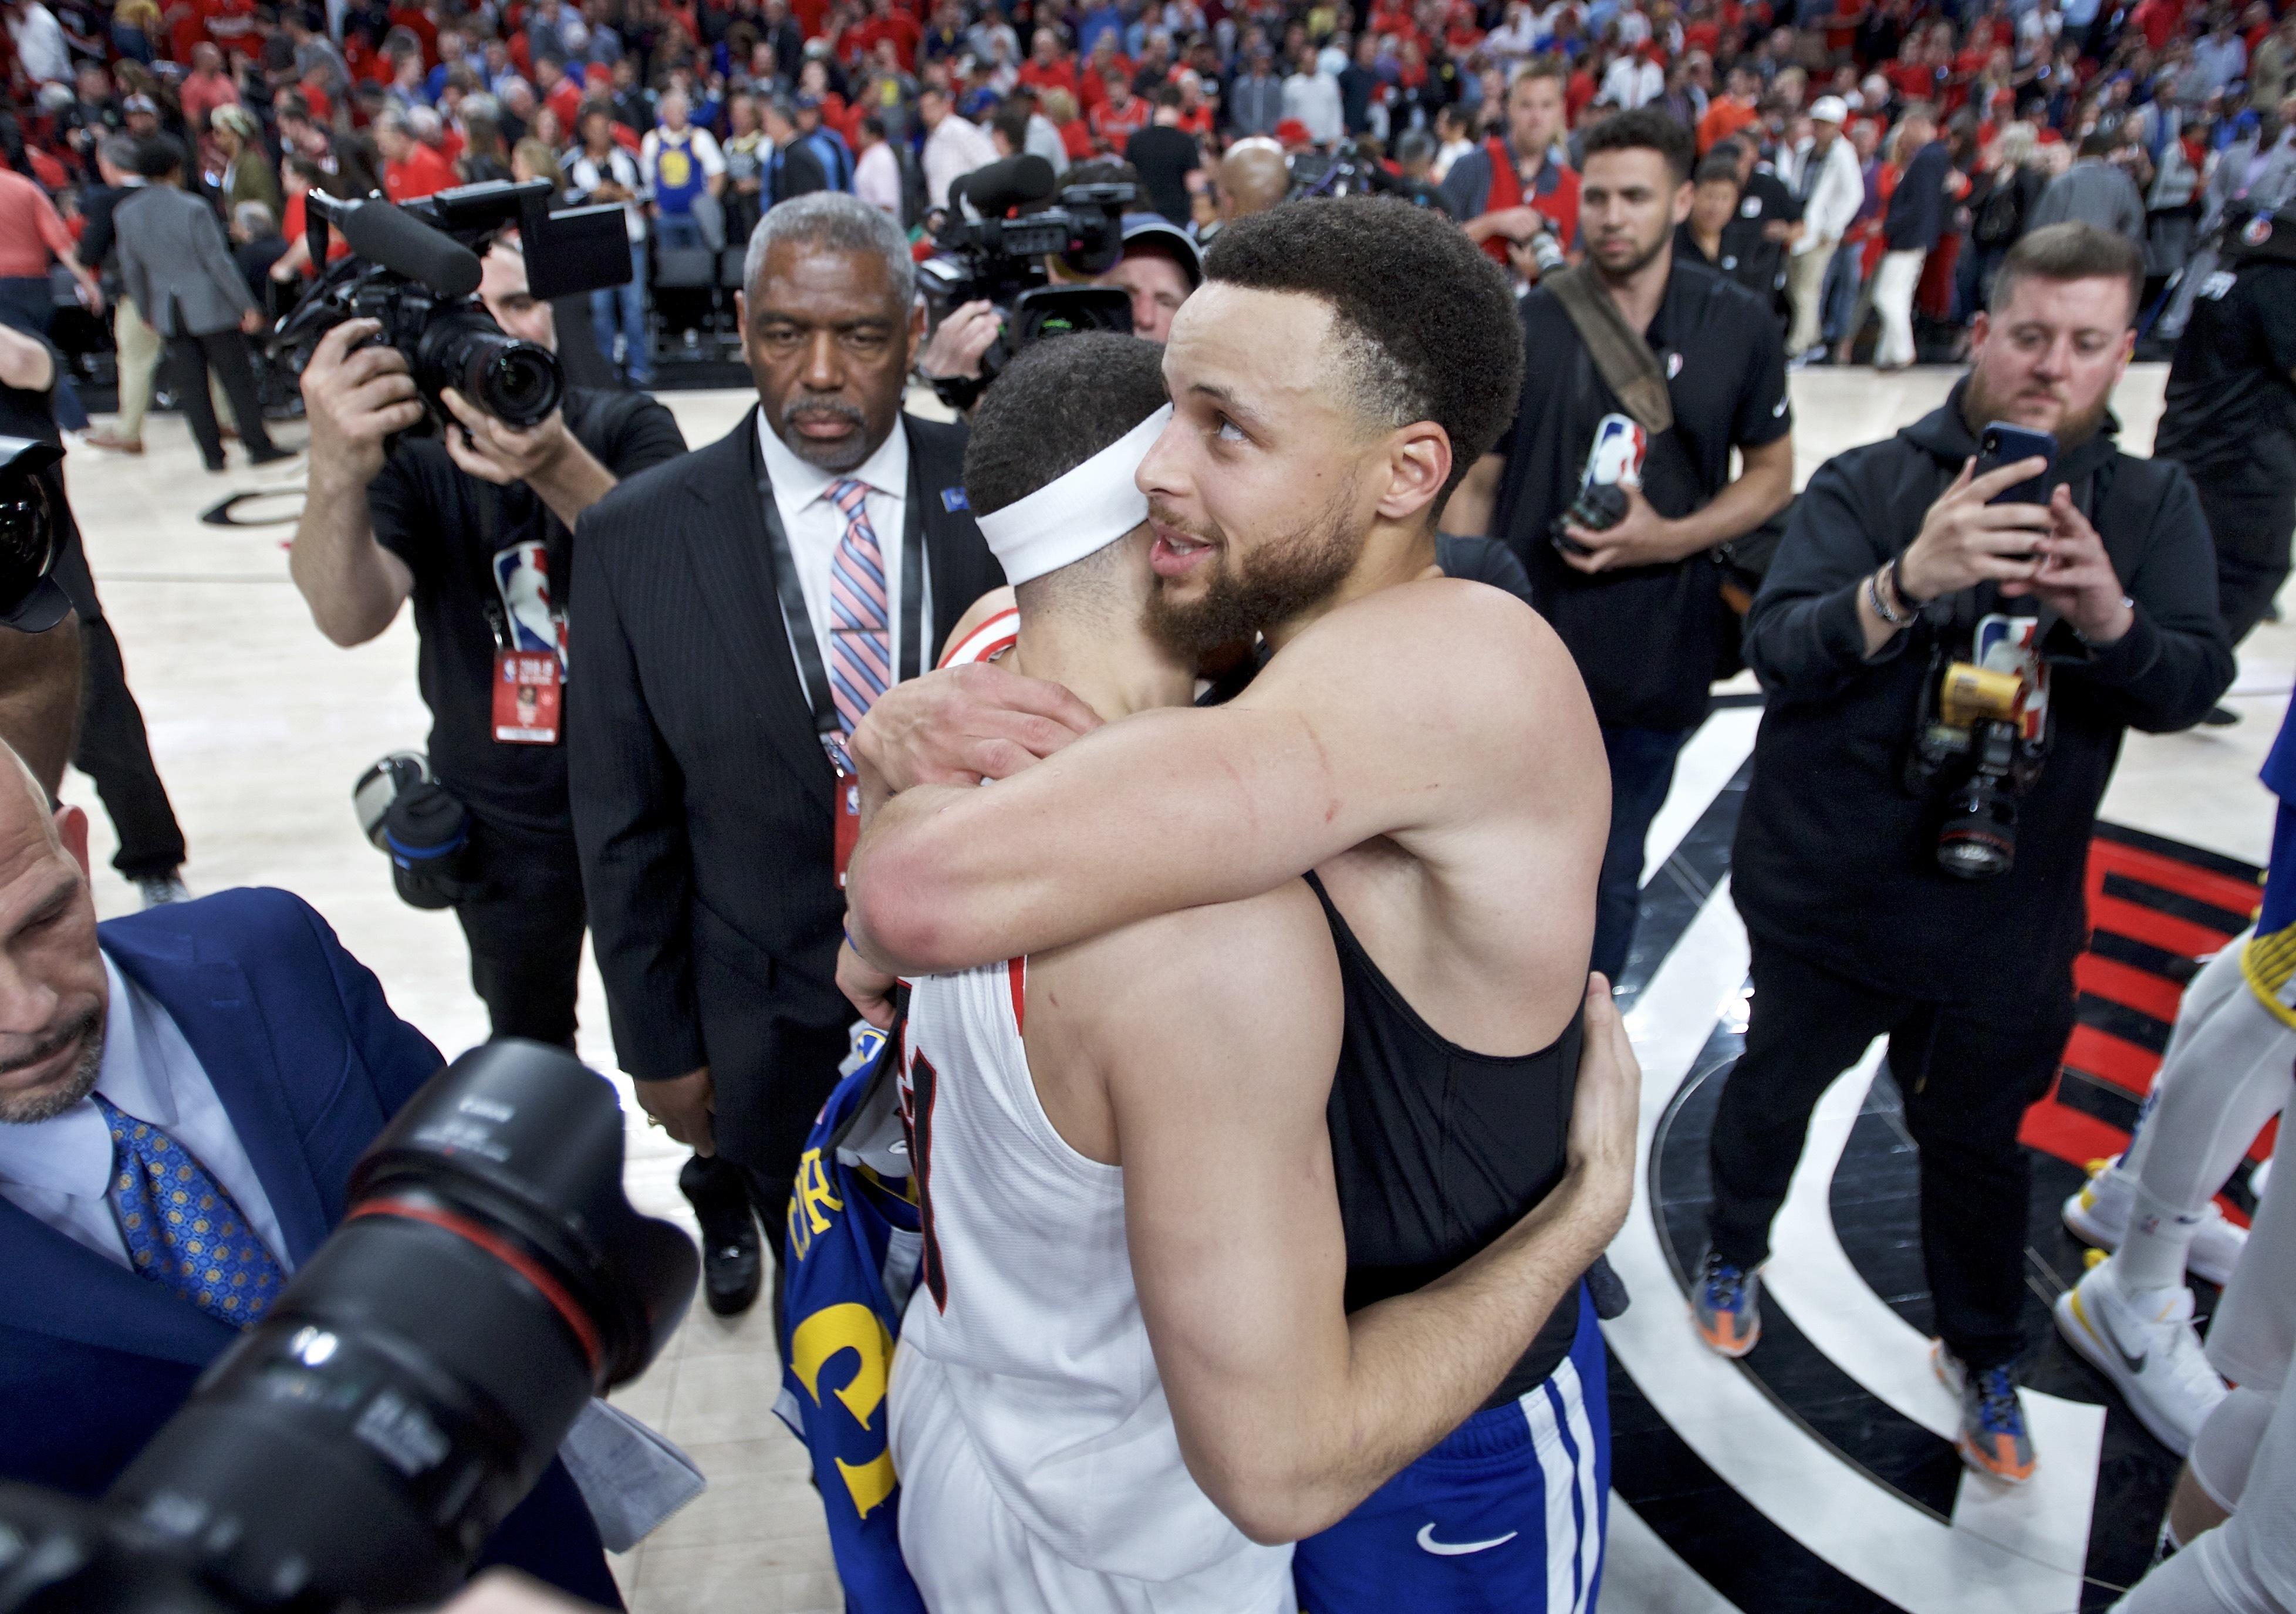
x=1725, y=118
x=1115, y=127
x=423, y=173
x=30, y=229
x=1060, y=76
x=199, y=96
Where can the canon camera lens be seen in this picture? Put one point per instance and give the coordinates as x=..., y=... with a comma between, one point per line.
x=415, y=1378
x=517, y=382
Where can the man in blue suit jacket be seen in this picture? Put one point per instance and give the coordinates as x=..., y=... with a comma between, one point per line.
x=295, y=1042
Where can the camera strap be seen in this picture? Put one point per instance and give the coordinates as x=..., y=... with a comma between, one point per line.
x=804, y=646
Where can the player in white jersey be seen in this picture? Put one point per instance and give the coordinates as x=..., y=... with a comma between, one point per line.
x=1127, y=1375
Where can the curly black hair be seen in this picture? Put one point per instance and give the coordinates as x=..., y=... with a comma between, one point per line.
x=1644, y=129
x=1427, y=323
x=1062, y=400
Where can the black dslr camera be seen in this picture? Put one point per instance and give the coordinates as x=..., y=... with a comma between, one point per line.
x=1981, y=735
x=415, y=269
x=1001, y=260
x=356, y=1448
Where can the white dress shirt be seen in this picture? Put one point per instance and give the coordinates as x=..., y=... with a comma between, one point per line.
x=815, y=527
x=59, y=1170
x=953, y=150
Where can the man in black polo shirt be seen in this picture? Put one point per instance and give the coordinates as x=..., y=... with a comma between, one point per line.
x=1639, y=603
x=475, y=524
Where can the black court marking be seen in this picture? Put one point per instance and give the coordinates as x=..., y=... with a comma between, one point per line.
x=1725, y=1539
x=2176, y=904
x=2130, y=1025
x=2172, y=967
x=2177, y=851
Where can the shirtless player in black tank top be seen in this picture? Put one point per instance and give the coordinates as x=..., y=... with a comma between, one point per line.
x=1423, y=746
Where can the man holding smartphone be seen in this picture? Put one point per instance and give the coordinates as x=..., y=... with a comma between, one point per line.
x=1890, y=891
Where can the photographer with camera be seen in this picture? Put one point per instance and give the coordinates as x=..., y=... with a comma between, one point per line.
x=1955, y=634
x=226, y=1052
x=1613, y=487
x=476, y=525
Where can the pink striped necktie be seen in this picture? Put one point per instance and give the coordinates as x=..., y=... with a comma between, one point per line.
x=860, y=635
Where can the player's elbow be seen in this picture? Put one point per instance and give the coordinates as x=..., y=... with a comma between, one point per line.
x=1269, y=1493
x=898, y=905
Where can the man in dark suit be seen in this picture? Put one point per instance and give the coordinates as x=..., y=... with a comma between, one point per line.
x=736, y=611
x=238, y=1033
x=178, y=269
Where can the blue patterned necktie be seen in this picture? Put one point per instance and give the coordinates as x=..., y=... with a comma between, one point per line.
x=860, y=633
x=183, y=1229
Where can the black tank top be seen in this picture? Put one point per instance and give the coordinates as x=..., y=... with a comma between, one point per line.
x=1439, y=1149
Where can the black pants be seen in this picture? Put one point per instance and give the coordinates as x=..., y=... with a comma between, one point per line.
x=2251, y=540
x=525, y=930
x=786, y=1106
x=1967, y=1078
x=113, y=750
x=189, y=359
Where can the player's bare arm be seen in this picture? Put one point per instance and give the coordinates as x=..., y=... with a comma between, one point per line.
x=1357, y=729
x=1289, y=1410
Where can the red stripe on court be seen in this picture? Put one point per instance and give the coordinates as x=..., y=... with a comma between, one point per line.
x=2128, y=985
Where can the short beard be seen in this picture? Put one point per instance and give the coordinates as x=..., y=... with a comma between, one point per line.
x=1980, y=410
x=1288, y=576
x=826, y=456
x=33, y=1108
x=1643, y=260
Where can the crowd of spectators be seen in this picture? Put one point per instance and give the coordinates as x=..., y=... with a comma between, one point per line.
x=1859, y=158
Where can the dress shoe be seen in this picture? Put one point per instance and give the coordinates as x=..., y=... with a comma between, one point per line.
x=114, y=442
x=733, y=1258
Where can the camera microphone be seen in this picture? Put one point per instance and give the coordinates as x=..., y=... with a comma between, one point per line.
x=381, y=233
x=998, y=187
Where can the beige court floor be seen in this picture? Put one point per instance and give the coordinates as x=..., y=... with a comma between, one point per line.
x=260, y=726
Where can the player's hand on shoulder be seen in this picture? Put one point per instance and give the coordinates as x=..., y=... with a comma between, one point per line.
x=962, y=725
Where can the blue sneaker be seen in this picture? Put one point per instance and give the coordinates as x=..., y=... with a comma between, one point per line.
x=1993, y=1440
x=1724, y=1303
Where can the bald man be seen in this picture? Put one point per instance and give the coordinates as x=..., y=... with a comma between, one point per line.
x=1254, y=177
x=232, y=1046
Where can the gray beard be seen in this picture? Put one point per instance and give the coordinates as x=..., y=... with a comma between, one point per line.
x=34, y=1108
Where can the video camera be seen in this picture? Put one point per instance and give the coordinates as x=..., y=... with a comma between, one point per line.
x=1001, y=260
x=415, y=269
x=1347, y=169
x=358, y=1446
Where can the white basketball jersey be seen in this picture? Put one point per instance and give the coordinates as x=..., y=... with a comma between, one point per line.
x=1027, y=1306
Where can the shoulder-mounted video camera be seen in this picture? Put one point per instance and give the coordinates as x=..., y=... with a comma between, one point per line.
x=999, y=260
x=415, y=269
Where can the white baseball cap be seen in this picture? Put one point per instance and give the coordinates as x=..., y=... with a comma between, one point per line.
x=1829, y=109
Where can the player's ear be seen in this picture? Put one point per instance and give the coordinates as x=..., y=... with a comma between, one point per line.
x=1418, y=464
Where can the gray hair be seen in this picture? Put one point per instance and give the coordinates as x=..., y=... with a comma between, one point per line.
x=254, y=217
x=119, y=151
x=425, y=125
x=843, y=223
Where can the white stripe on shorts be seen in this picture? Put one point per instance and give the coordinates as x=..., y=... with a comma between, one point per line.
x=1554, y=1472
x=1567, y=1384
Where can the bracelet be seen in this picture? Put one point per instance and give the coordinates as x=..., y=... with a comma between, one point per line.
x=1881, y=606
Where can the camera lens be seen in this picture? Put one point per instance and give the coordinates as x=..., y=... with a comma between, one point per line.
x=517, y=382
x=27, y=535
x=1979, y=837
x=415, y=1379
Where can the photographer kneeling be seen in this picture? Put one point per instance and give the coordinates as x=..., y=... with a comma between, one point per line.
x=1952, y=657
x=477, y=524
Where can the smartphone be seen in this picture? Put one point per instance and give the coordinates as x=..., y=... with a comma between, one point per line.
x=2001, y=443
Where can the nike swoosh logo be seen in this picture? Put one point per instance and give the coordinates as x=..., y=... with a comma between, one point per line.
x=2102, y=1327
x=1454, y=1549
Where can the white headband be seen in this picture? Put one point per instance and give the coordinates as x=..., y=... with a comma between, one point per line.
x=1076, y=512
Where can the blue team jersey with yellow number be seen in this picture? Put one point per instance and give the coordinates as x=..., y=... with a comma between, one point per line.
x=853, y=1250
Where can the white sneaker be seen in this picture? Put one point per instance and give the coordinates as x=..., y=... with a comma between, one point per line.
x=2146, y=1345
x=2099, y=1215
